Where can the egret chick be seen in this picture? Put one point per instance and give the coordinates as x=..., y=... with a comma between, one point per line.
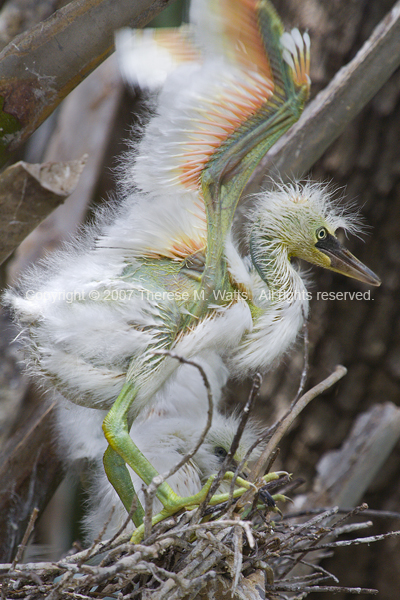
x=290, y=221
x=163, y=441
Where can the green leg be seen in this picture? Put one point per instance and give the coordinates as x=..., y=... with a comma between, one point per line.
x=244, y=486
x=115, y=427
x=118, y=475
x=116, y=430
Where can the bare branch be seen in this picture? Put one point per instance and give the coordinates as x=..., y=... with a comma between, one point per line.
x=291, y=415
x=207, y=426
x=29, y=529
x=205, y=550
x=157, y=481
x=255, y=389
x=306, y=365
x=39, y=68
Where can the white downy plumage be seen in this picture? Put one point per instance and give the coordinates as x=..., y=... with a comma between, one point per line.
x=164, y=441
x=183, y=395
x=88, y=316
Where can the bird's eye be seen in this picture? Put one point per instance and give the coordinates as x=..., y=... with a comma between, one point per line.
x=220, y=452
x=321, y=233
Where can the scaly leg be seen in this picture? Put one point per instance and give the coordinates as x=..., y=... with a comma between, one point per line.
x=119, y=477
x=214, y=500
x=116, y=430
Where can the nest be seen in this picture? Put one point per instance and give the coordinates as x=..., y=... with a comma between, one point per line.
x=231, y=556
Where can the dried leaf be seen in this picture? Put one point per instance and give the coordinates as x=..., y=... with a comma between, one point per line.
x=252, y=587
x=28, y=193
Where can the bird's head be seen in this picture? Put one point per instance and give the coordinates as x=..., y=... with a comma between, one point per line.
x=218, y=442
x=301, y=220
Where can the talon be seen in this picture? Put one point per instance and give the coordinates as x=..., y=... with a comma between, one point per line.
x=239, y=481
x=267, y=498
x=281, y=498
x=137, y=535
x=275, y=475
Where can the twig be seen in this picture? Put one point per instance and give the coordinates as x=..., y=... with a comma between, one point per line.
x=323, y=533
x=238, y=557
x=291, y=415
x=351, y=527
x=344, y=543
x=306, y=365
x=97, y=546
x=323, y=588
x=124, y=525
x=384, y=514
x=315, y=521
x=157, y=481
x=22, y=545
x=254, y=392
x=320, y=569
x=204, y=557
x=352, y=513
x=271, y=430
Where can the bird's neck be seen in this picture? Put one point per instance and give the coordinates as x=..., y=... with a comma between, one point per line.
x=281, y=302
x=272, y=261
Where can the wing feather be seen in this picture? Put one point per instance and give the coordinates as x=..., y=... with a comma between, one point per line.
x=219, y=113
x=147, y=56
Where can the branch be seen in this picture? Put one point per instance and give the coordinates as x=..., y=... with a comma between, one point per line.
x=25, y=539
x=39, y=68
x=291, y=415
x=157, y=481
x=343, y=475
x=254, y=392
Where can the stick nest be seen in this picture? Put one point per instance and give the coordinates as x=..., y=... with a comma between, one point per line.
x=253, y=557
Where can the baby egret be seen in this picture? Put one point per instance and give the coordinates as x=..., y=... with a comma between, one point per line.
x=160, y=271
x=163, y=441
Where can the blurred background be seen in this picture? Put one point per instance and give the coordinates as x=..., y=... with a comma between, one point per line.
x=364, y=335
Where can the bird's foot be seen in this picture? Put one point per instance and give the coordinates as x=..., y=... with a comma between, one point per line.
x=173, y=503
x=244, y=486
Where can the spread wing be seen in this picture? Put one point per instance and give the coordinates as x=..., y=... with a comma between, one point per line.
x=218, y=114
